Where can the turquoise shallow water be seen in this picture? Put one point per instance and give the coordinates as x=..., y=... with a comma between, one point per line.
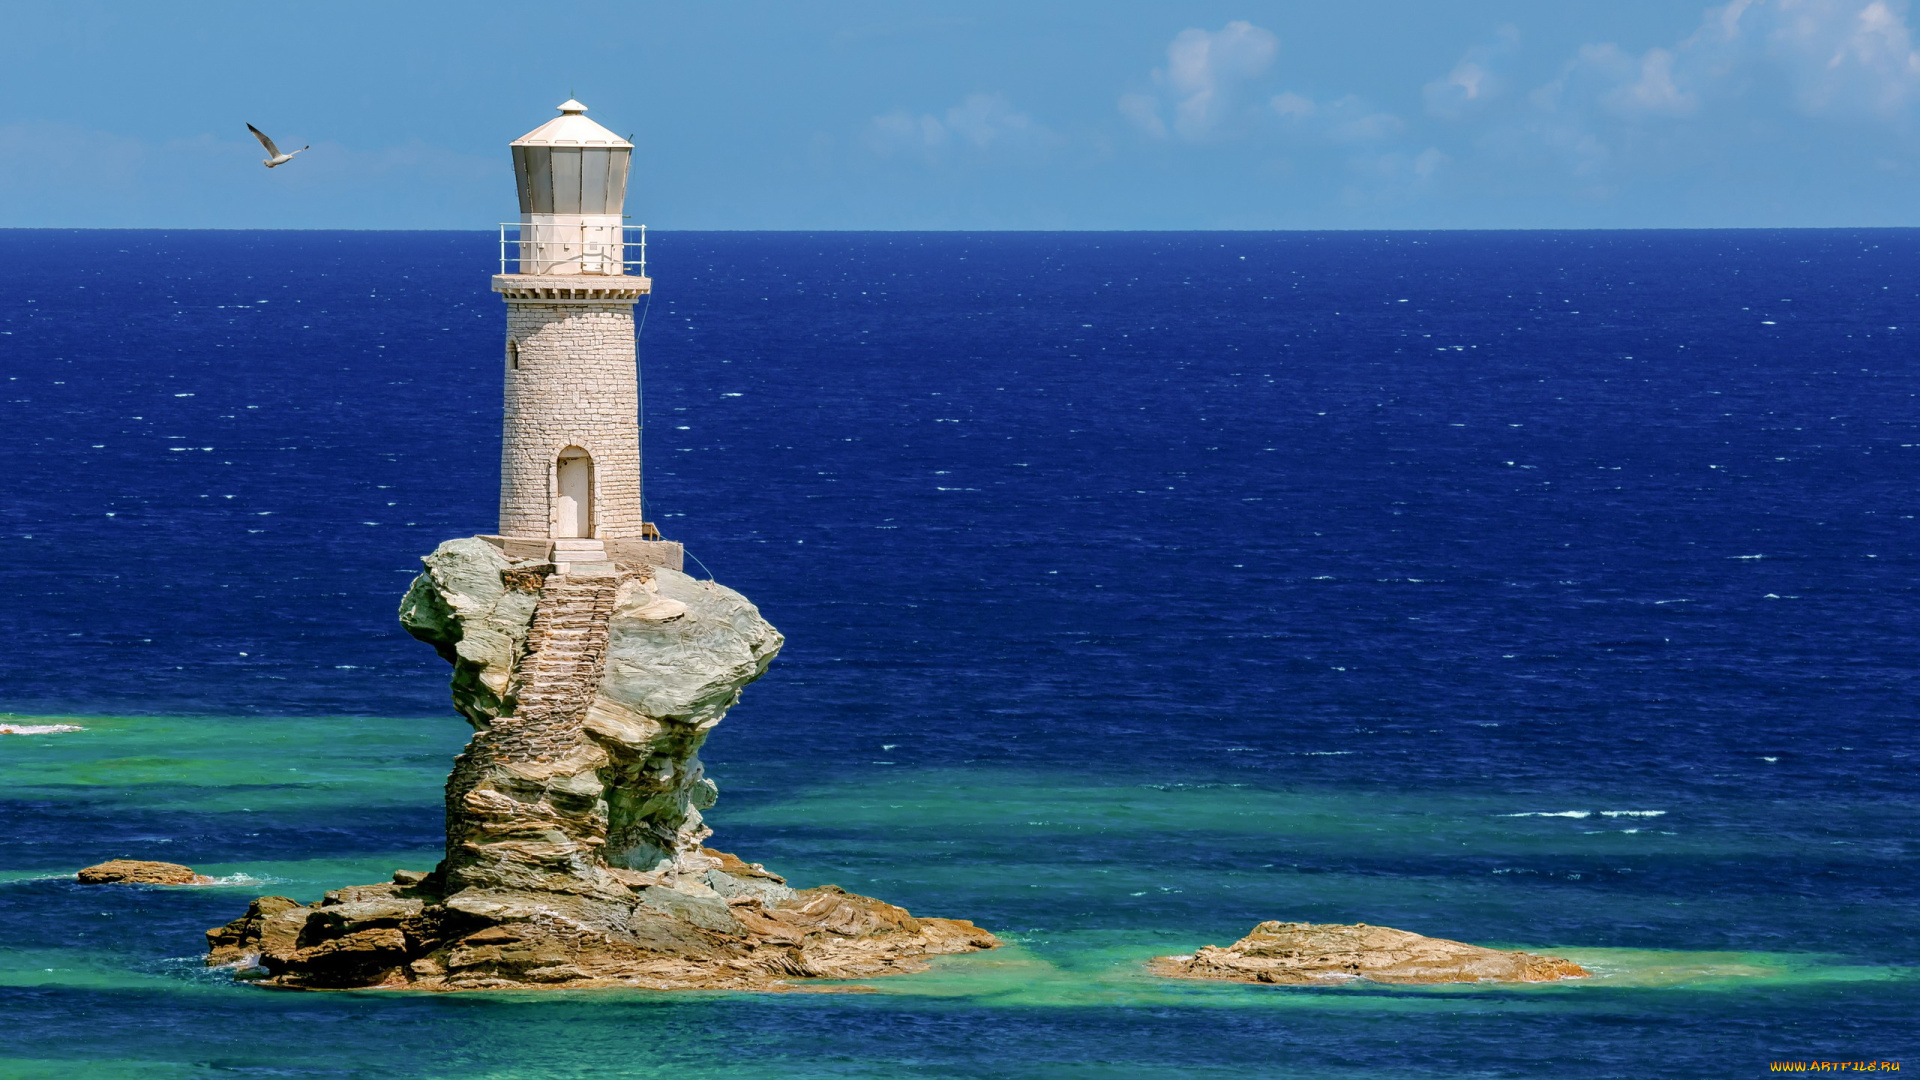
x=1086, y=878
x=1549, y=589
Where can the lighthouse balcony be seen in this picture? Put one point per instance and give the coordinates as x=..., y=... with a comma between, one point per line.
x=565, y=245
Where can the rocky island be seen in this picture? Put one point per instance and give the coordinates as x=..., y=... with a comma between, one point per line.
x=1304, y=953
x=140, y=872
x=575, y=845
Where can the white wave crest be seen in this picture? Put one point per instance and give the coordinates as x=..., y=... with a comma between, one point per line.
x=247, y=880
x=38, y=729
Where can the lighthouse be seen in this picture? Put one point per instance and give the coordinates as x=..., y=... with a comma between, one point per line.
x=570, y=479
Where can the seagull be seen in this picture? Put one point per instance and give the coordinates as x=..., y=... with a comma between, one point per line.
x=275, y=157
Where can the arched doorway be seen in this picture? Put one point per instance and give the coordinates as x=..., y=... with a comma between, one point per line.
x=573, y=494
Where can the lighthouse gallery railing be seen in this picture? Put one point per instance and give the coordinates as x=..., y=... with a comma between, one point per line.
x=572, y=249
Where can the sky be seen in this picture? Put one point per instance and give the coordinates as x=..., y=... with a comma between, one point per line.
x=988, y=114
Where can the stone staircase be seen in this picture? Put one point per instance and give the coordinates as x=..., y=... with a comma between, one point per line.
x=558, y=676
x=499, y=817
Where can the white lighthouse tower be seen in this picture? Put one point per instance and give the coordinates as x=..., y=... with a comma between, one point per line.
x=570, y=446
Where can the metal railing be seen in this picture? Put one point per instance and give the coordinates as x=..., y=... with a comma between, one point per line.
x=572, y=249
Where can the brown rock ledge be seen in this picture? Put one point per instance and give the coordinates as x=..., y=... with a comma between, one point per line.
x=738, y=927
x=137, y=872
x=1301, y=953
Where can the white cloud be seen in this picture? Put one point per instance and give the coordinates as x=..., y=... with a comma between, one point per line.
x=1354, y=122
x=1610, y=109
x=1646, y=86
x=1836, y=57
x=1294, y=106
x=983, y=119
x=1346, y=119
x=901, y=128
x=1144, y=111
x=1372, y=141
x=1846, y=56
x=1474, y=81
x=1205, y=70
x=979, y=122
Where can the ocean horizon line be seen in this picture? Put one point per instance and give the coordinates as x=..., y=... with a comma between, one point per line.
x=1340, y=230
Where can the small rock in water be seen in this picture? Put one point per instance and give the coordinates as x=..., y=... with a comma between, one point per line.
x=1295, y=953
x=138, y=872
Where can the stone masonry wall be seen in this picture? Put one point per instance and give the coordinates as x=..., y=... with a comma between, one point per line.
x=577, y=384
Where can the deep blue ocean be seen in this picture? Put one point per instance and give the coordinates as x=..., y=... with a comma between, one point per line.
x=1549, y=590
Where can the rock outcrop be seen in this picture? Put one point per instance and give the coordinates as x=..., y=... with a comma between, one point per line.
x=734, y=927
x=1295, y=953
x=139, y=872
x=574, y=849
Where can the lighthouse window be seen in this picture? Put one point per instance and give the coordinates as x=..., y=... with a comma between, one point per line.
x=513, y=355
x=566, y=180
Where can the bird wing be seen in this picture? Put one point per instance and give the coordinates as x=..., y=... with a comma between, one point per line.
x=264, y=141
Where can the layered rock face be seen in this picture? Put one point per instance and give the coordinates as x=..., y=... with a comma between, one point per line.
x=574, y=834
x=1284, y=952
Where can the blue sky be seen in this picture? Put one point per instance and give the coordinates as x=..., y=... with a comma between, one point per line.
x=976, y=115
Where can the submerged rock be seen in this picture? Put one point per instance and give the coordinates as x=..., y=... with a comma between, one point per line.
x=138, y=872
x=574, y=849
x=1286, y=952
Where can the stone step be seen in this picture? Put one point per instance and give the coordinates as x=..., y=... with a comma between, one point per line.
x=588, y=569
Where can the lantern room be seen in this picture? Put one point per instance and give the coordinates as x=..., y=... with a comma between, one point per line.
x=572, y=179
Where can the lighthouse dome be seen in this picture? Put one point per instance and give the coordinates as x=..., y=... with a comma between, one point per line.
x=571, y=128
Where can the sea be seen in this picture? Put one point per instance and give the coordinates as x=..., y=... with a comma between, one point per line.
x=1544, y=590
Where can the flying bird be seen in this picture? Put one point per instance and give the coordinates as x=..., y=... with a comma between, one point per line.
x=274, y=156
